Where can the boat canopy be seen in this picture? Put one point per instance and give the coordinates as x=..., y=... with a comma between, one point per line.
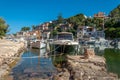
x=65, y=36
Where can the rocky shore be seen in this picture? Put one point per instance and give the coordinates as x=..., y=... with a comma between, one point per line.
x=80, y=67
x=85, y=67
x=8, y=52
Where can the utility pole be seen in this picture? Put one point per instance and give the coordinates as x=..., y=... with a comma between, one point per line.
x=104, y=21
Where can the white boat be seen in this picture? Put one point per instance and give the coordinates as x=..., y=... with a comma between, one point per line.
x=87, y=40
x=38, y=44
x=42, y=52
x=91, y=40
x=42, y=44
x=101, y=41
x=118, y=45
x=65, y=43
x=115, y=43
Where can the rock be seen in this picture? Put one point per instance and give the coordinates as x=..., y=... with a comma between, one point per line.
x=88, y=69
x=89, y=53
x=1, y=61
x=9, y=78
x=64, y=75
x=8, y=50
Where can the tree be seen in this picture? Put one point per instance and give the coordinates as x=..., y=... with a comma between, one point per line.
x=72, y=31
x=111, y=32
x=60, y=18
x=3, y=28
x=25, y=28
x=115, y=12
x=59, y=29
x=98, y=22
x=33, y=27
x=53, y=33
x=112, y=24
x=52, y=26
x=77, y=19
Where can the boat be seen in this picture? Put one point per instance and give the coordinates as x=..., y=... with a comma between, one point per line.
x=38, y=44
x=101, y=41
x=87, y=40
x=115, y=43
x=91, y=40
x=43, y=52
x=64, y=43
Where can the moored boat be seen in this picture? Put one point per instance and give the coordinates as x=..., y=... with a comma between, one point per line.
x=38, y=44
x=64, y=43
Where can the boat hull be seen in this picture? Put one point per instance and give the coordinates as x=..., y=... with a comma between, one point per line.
x=69, y=49
x=38, y=45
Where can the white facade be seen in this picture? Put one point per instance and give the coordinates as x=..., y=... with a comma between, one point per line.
x=46, y=35
x=100, y=34
x=90, y=32
x=85, y=31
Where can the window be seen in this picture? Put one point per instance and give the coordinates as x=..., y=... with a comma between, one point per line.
x=65, y=36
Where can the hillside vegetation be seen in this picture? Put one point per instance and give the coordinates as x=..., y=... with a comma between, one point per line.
x=111, y=24
x=3, y=28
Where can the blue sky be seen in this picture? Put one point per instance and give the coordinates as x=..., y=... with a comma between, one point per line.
x=19, y=13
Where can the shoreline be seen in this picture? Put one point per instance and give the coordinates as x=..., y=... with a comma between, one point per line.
x=9, y=51
x=85, y=67
x=79, y=67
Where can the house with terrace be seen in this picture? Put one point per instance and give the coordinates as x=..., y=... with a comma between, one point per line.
x=85, y=33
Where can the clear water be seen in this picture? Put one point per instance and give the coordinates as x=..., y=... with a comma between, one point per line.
x=44, y=67
x=34, y=67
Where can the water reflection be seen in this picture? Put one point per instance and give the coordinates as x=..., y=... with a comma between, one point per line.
x=34, y=67
x=112, y=57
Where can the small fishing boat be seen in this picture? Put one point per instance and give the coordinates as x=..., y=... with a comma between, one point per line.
x=38, y=44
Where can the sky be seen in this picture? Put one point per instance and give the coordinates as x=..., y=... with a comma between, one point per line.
x=20, y=13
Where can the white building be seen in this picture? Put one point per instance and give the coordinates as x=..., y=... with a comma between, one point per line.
x=89, y=32
x=99, y=34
